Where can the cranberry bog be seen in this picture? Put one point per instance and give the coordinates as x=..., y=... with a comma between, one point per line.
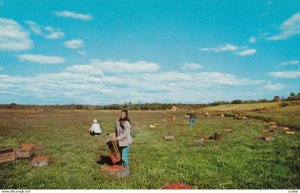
x=240, y=160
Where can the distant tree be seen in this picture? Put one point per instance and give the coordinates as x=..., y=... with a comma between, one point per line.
x=292, y=94
x=12, y=106
x=263, y=100
x=276, y=99
x=237, y=101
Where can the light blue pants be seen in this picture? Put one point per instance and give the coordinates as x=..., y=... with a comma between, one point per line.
x=192, y=122
x=125, y=156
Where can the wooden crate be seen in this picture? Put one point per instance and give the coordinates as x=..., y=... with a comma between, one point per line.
x=7, y=154
x=40, y=161
x=200, y=140
x=25, y=151
x=227, y=130
x=267, y=138
x=174, y=186
x=114, y=151
x=115, y=171
x=290, y=133
x=38, y=148
x=168, y=137
x=273, y=127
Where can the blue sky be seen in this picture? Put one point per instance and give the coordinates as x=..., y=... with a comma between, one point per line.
x=103, y=52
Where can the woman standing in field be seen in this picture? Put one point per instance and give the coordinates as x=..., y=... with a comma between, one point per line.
x=123, y=127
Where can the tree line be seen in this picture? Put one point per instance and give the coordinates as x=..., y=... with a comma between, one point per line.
x=148, y=106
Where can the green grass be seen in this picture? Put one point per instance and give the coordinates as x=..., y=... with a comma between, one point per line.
x=241, y=160
x=284, y=113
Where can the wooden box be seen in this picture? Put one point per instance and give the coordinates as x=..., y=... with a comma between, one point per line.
x=290, y=133
x=273, y=127
x=174, y=186
x=7, y=154
x=40, y=161
x=168, y=137
x=227, y=130
x=25, y=151
x=115, y=171
x=267, y=138
x=114, y=151
x=200, y=140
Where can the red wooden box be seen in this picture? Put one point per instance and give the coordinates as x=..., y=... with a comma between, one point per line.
x=25, y=151
x=40, y=161
x=169, y=137
x=174, y=186
x=7, y=154
x=226, y=129
x=267, y=138
x=115, y=171
x=114, y=151
x=290, y=132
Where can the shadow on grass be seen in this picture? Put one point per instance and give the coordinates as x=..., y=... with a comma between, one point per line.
x=104, y=160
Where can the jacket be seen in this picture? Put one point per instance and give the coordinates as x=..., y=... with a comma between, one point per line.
x=123, y=135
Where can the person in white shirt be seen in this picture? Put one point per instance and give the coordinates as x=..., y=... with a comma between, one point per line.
x=95, y=128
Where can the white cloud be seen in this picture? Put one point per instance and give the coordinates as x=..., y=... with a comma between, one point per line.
x=246, y=52
x=191, y=66
x=104, y=82
x=122, y=66
x=74, y=15
x=252, y=39
x=241, y=51
x=54, y=33
x=78, y=85
x=34, y=27
x=287, y=63
x=288, y=28
x=41, y=59
x=81, y=52
x=221, y=48
x=274, y=87
x=84, y=69
x=47, y=32
x=285, y=74
x=74, y=44
x=13, y=37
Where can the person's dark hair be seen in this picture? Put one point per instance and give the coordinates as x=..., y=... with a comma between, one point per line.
x=125, y=119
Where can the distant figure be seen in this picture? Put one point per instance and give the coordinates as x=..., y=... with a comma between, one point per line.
x=95, y=128
x=192, y=118
x=206, y=114
x=123, y=127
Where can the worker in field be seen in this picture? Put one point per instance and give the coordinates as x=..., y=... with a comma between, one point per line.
x=123, y=127
x=95, y=128
x=192, y=118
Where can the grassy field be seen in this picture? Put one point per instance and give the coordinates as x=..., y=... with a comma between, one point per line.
x=241, y=160
x=284, y=113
